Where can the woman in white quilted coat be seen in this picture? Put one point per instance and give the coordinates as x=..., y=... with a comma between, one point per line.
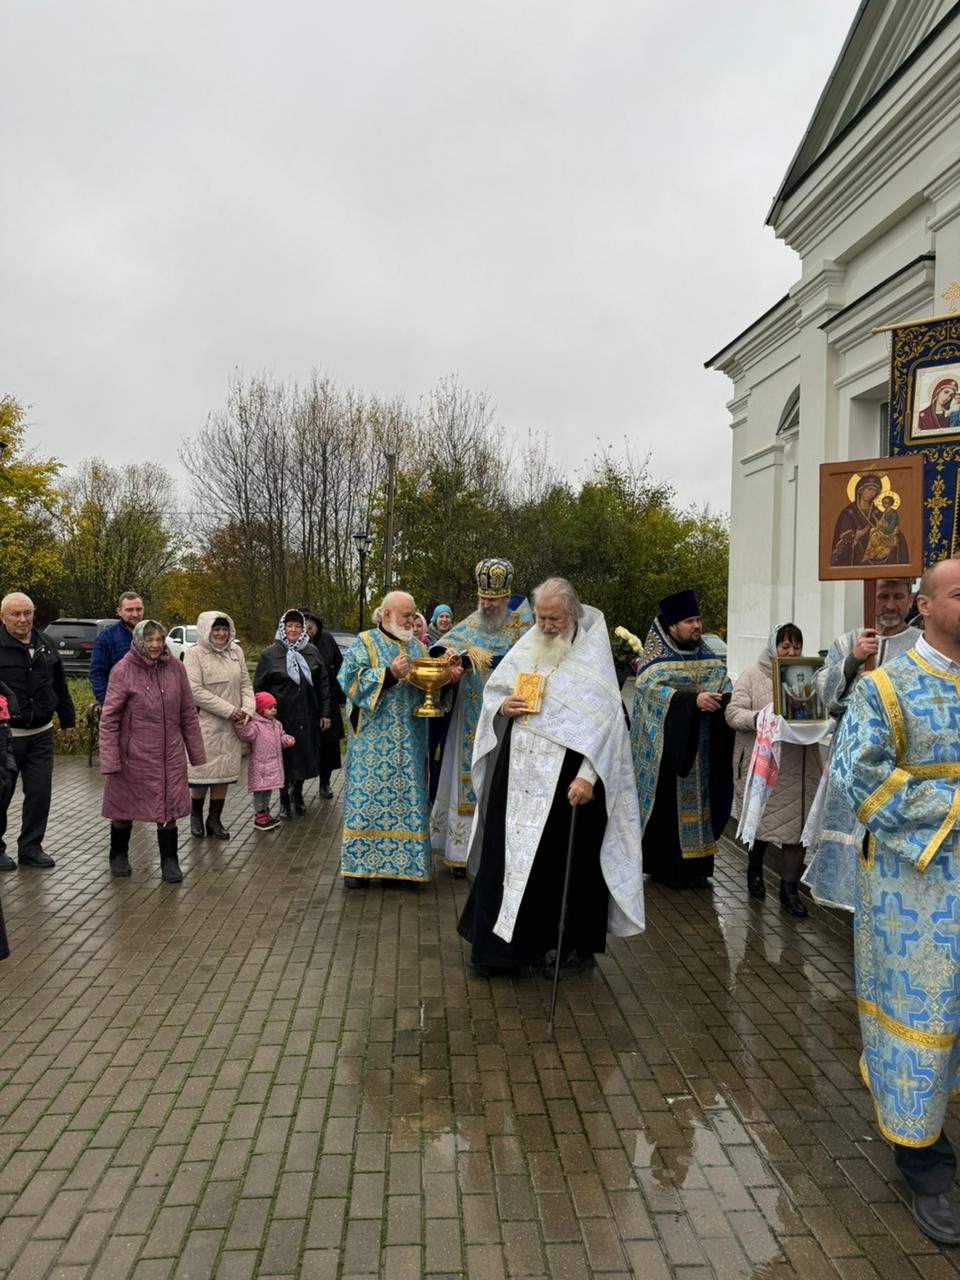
x=221, y=688
x=800, y=768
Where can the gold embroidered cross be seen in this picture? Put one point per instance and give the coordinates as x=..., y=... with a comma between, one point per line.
x=951, y=296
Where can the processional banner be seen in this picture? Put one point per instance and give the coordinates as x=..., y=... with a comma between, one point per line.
x=925, y=422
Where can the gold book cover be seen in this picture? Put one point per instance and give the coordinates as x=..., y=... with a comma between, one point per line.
x=531, y=687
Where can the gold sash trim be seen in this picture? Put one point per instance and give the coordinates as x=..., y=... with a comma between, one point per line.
x=891, y=706
x=932, y=671
x=926, y=1039
x=372, y=834
x=877, y=799
x=945, y=826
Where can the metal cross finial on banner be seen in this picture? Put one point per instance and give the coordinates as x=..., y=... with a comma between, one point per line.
x=951, y=296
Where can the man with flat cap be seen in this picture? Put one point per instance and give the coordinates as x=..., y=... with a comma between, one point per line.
x=682, y=746
x=482, y=640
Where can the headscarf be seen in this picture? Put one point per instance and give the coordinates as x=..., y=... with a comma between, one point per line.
x=138, y=637
x=205, y=624
x=297, y=664
x=772, y=639
x=441, y=608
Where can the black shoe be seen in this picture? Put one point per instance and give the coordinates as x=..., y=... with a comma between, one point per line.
x=167, y=840
x=326, y=791
x=480, y=970
x=196, y=818
x=215, y=827
x=298, y=805
x=119, y=848
x=937, y=1217
x=755, y=885
x=572, y=964
x=170, y=870
x=355, y=882
x=458, y=873
x=41, y=860
x=790, y=899
x=7, y=863
x=285, y=813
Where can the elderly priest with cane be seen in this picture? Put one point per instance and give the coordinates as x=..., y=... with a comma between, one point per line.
x=552, y=749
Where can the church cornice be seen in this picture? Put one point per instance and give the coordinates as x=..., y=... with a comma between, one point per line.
x=876, y=144
x=892, y=297
x=793, y=181
x=765, y=335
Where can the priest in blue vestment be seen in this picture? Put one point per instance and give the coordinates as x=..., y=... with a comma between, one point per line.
x=385, y=806
x=897, y=761
x=481, y=640
x=682, y=746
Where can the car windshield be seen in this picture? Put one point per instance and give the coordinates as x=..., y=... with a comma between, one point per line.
x=190, y=635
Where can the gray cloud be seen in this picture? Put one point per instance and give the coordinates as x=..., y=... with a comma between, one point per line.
x=561, y=203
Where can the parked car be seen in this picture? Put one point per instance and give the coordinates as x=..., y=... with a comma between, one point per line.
x=714, y=642
x=181, y=638
x=344, y=639
x=72, y=639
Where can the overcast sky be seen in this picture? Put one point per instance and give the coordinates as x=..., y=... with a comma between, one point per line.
x=562, y=203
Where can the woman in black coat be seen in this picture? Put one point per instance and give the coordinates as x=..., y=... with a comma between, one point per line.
x=292, y=670
x=330, y=738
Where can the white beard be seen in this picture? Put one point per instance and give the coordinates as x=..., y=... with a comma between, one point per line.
x=403, y=634
x=550, y=651
x=493, y=621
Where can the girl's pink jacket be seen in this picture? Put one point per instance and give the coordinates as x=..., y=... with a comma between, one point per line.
x=267, y=740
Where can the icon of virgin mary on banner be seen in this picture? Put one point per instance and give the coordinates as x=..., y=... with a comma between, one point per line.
x=925, y=421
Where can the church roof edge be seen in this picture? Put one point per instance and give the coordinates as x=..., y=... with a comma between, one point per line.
x=798, y=172
x=709, y=364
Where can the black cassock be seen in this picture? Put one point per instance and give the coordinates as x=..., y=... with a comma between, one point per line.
x=537, y=924
x=662, y=855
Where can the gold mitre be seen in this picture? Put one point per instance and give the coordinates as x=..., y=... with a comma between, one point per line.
x=494, y=579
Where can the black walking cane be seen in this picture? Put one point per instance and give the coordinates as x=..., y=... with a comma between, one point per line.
x=563, y=917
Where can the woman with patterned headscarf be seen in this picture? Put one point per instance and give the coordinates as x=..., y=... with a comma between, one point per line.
x=293, y=671
x=148, y=730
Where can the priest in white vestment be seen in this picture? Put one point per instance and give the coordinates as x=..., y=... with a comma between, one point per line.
x=532, y=770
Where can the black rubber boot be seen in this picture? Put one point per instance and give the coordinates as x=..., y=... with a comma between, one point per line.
x=215, y=827
x=326, y=791
x=297, y=792
x=196, y=817
x=285, y=805
x=169, y=863
x=755, y=885
x=119, y=847
x=790, y=899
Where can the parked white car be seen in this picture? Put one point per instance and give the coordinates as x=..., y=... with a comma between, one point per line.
x=180, y=639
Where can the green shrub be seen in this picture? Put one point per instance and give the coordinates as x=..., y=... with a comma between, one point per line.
x=82, y=695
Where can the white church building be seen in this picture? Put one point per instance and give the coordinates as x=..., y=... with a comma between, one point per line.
x=871, y=203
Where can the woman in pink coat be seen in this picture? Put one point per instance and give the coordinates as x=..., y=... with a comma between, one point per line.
x=148, y=728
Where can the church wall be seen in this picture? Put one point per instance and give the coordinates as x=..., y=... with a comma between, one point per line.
x=888, y=196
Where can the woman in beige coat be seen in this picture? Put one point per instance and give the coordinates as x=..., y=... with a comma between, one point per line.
x=223, y=694
x=800, y=768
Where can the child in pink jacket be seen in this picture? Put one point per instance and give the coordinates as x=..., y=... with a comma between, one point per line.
x=267, y=741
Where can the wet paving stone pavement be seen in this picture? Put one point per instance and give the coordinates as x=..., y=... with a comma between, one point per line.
x=256, y=1073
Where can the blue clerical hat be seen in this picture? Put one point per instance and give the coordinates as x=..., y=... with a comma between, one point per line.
x=678, y=607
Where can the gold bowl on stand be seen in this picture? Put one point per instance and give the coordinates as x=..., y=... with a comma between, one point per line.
x=430, y=675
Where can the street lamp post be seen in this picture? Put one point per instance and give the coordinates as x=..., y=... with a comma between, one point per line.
x=362, y=539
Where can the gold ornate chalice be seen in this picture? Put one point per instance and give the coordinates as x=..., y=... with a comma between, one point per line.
x=430, y=675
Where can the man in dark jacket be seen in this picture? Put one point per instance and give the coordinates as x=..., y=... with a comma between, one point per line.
x=113, y=643
x=32, y=679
